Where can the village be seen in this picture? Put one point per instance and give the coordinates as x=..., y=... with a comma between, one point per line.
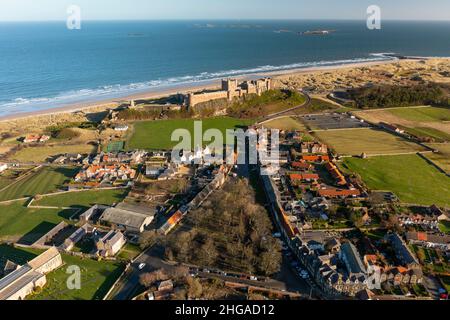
x=117, y=205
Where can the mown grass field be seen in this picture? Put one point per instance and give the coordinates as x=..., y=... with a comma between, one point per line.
x=287, y=123
x=97, y=277
x=83, y=199
x=425, y=114
x=42, y=181
x=156, y=135
x=410, y=177
x=370, y=141
x=41, y=154
x=423, y=132
x=442, y=158
x=17, y=222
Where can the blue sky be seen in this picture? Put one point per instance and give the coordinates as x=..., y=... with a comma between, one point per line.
x=26, y=10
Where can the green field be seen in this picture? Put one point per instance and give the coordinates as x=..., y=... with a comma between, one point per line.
x=410, y=177
x=41, y=154
x=156, y=135
x=287, y=123
x=27, y=225
x=45, y=180
x=425, y=114
x=83, y=199
x=444, y=226
x=97, y=277
x=370, y=141
x=423, y=132
x=115, y=146
x=442, y=158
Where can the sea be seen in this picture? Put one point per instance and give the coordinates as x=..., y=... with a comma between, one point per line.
x=44, y=65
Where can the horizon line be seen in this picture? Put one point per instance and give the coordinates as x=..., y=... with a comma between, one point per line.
x=229, y=19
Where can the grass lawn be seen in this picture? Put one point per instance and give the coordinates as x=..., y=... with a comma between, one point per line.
x=156, y=135
x=371, y=141
x=410, y=177
x=424, y=132
x=27, y=225
x=83, y=199
x=287, y=123
x=43, y=181
x=41, y=154
x=444, y=226
x=129, y=252
x=442, y=158
x=425, y=114
x=97, y=277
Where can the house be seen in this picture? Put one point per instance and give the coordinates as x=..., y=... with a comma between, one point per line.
x=128, y=220
x=304, y=177
x=313, y=147
x=76, y=237
x=352, y=260
x=402, y=251
x=301, y=166
x=166, y=286
x=3, y=167
x=111, y=243
x=330, y=193
x=391, y=128
x=32, y=138
x=430, y=240
x=313, y=158
x=23, y=281
x=336, y=174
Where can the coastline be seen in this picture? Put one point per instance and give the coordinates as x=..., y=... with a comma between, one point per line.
x=98, y=106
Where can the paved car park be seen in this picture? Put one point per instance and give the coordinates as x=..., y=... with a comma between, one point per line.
x=333, y=121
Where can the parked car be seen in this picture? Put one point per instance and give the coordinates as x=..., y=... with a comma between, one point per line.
x=141, y=266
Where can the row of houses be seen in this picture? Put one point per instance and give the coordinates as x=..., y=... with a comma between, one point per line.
x=105, y=173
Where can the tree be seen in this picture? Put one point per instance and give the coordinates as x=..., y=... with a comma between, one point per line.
x=195, y=288
x=148, y=279
x=148, y=239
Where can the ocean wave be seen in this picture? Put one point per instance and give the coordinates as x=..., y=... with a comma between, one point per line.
x=116, y=91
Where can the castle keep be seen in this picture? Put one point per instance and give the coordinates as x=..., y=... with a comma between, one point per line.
x=230, y=89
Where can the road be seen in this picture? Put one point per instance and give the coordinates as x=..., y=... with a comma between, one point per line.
x=286, y=112
x=128, y=287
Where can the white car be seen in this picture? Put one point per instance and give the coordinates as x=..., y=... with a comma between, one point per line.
x=141, y=266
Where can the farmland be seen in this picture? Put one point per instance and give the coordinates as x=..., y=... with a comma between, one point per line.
x=41, y=154
x=17, y=222
x=156, y=135
x=423, y=122
x=422, y=114
x=410, y=177
x=369, y=141
x=83, y=199
x=41, y=181
x=442, y=158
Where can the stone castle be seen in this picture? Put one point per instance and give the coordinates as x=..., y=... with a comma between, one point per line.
x=230, y=90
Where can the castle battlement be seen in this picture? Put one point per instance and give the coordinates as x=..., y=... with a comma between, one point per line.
x=230, y=90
